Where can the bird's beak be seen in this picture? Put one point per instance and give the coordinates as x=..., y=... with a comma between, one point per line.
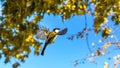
x=62, y=32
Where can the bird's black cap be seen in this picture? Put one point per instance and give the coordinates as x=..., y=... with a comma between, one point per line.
x=56, y=29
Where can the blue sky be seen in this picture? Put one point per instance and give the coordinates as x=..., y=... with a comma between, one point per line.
x=63, y=52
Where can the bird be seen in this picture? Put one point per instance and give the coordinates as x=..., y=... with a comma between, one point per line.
x=51, y=36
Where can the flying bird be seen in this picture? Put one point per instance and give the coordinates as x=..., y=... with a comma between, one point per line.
x=49, y=37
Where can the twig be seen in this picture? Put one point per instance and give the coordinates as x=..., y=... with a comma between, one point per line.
x=87, y=41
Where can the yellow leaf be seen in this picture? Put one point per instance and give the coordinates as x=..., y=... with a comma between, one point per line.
x=84, y=6
x=105, y=20
x=19, y=15
x=106, y=45
x=106, y=65
x=80, y=6
x=106, y=32
x=69, y=6
x=118, y=3
x=18, y=56
x=73, y=7
x=92, y=1
x=79, y=12
x=11, y=25
x=66, y=7
x=32, y=40
x=48, y=11
x=64, y=13
x=29, y=38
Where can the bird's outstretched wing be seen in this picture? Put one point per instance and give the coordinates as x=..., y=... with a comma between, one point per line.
x=62, y=32
x=42, y=33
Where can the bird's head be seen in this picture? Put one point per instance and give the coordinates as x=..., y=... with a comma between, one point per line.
x=56, y=30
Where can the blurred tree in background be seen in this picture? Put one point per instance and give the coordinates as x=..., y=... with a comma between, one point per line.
x=17, y=32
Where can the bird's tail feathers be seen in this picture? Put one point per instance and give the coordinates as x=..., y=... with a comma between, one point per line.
x=42, y=53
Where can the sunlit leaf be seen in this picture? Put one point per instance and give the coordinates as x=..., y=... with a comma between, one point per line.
x=106, y=65
x=106, y=45
x=106, y=32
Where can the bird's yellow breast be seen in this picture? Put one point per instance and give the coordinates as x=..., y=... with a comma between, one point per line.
x=51, y=37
